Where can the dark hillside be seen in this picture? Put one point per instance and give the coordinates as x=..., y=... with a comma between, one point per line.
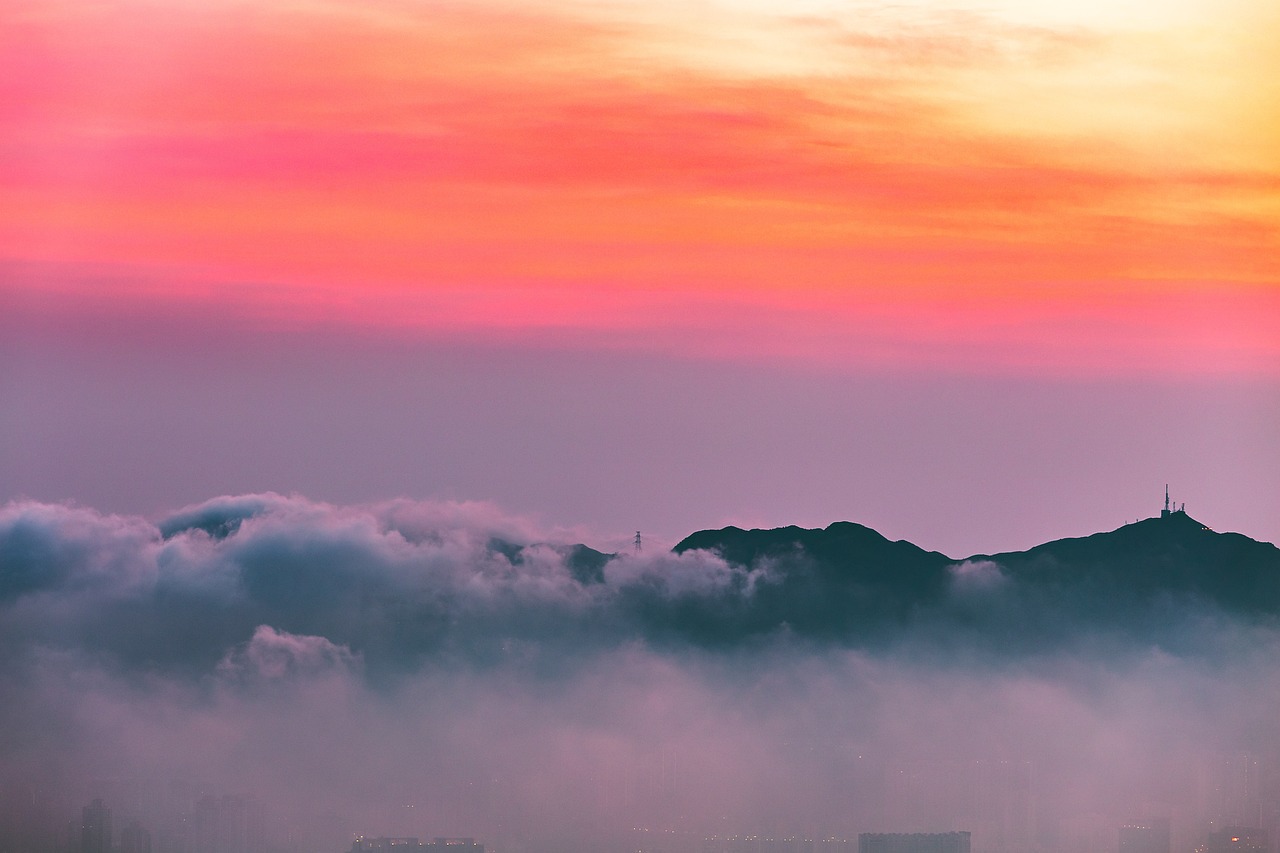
x=1173, y=555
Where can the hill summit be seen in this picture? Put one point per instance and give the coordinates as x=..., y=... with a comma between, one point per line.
x=847, y=579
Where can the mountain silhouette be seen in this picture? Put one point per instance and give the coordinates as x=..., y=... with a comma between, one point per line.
x=847, y=581
x=1150, y=583
x=832, y=580
x=1171, y=555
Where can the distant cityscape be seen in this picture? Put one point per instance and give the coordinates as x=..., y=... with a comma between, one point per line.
x=928, y=807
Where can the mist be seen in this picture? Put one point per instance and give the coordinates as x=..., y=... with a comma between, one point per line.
x=449, y=669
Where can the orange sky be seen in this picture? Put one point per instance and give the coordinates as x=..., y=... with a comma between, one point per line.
x=1021, y=186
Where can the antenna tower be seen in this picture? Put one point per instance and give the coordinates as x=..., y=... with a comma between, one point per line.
x=638, y=542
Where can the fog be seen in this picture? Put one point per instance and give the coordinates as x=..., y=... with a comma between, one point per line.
x=447, y=669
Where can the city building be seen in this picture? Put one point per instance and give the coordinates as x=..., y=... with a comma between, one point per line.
x=452, y=845
x=134, y=838
x=1149, y=836
x=913, y=842
x=225, y=824
x=95, y=828
x=1236, y=839
x=996, y=799
x=383, y=844
x=768, y=844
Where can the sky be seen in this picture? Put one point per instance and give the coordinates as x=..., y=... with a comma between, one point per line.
x=976, y=274
x=328, y=328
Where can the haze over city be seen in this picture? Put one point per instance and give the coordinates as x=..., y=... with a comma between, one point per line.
x=346, y=346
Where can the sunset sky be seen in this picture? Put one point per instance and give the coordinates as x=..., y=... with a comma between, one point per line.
x=978, y=274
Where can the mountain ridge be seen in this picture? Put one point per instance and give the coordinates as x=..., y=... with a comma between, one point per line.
x=1172, y=556
x=694, y=540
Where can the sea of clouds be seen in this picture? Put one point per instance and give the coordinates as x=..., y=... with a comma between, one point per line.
x=433, y=668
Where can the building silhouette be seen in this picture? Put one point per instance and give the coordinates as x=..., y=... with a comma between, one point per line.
x=913, y=842
x=225, y=824
x=995, y=798
x=383, y=844
x=1236, y=839
x=134, y=838
x=1149, y=836
x=768, y=844
x=95, y=828
x=1233, y=790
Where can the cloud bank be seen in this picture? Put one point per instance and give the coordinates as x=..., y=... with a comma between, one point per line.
x=445, y=668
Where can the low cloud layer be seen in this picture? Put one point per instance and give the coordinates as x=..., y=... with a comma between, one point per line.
x=440, y=668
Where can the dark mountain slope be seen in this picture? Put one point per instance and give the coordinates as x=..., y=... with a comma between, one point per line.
x=842, y=581
x=848, y=582
x=1173, y=555
x=843, y=544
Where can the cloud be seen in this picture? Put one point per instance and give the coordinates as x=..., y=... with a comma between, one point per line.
x=406, y=585
x=49, y=547
x=275, y=655
x=446, y=668
x=976, y=574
